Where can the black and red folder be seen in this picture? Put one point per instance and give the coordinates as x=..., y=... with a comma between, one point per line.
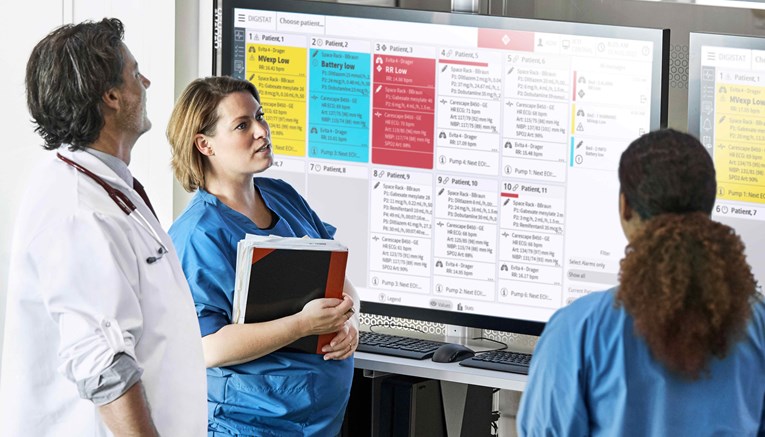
x=277, y=276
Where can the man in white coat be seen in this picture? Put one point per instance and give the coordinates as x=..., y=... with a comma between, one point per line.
x=101, y=336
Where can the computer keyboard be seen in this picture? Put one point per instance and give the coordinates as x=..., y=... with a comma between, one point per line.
x=504, y=361
x=397, y=346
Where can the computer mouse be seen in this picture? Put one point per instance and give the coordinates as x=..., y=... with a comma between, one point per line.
x=452, y=352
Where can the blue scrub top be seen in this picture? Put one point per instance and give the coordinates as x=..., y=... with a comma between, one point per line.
x=280, y=394
x=591, y=375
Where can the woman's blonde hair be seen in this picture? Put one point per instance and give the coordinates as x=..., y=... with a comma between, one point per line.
x=195, y=112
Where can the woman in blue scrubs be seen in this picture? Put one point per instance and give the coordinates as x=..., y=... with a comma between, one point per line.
x=220, y=140
x=678, y=348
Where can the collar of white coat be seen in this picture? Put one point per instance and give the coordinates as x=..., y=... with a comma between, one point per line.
x=100, y=169
x=95, y=165
x=117, y=165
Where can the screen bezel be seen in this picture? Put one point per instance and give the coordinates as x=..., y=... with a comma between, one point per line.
x=222, y=61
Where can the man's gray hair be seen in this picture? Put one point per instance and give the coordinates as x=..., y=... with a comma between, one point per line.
x=67, y=75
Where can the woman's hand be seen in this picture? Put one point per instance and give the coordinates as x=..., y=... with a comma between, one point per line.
x=325, y=316
x=345, y=342
x=239, y=343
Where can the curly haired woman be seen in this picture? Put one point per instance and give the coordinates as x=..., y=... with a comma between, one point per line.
x=678, y=348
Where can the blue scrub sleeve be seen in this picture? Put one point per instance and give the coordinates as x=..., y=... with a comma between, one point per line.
x=210, y=268
x=306, y=213
x=331, y=230
x=554, y=401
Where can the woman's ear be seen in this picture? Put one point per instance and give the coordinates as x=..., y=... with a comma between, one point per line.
x=203, y=145
x=630, y=219
x=625, y=212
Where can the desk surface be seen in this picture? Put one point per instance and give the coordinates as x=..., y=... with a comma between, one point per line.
x=442, y=371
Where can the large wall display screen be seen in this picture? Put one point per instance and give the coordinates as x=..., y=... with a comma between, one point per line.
x=469, y=162
x=726, y=110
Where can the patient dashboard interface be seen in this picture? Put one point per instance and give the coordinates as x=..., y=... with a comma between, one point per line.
x=467, y=169
x=731, y=125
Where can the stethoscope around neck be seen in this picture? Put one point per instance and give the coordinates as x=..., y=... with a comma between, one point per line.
x=125, y=204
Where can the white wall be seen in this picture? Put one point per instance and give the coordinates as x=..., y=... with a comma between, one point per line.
x=193, y=59
x=150, y=34
x=25, y=24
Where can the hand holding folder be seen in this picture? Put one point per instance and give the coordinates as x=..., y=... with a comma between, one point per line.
x=279, y=276
x=318, y=319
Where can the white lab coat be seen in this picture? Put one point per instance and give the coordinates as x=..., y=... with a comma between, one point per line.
x=80, y=291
